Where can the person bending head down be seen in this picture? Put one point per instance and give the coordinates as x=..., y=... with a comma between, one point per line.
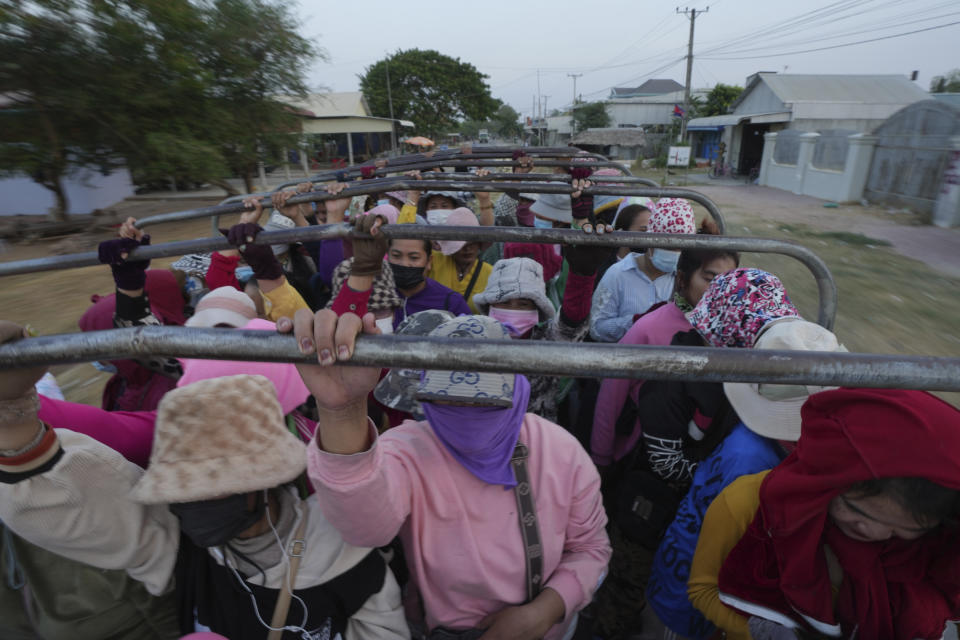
x=854, y=533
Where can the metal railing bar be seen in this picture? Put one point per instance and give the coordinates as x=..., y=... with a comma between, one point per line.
x=368, y=187
x=825, y=284
x=517, y=356
x=354, y=171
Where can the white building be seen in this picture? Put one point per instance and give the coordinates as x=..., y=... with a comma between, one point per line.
x=773, y=102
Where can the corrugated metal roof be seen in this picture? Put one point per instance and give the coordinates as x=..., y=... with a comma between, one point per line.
x=861, y=89
x=652, y=87
x=348, y=103
x=715, y=121
x=626, y=136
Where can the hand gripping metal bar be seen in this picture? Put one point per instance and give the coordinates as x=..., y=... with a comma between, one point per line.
x=825, y=284
x=516, y=356
x=368, y=187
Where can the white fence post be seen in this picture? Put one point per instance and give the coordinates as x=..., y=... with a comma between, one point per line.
x=808, y=142
x=946, y=210
x=856, y=168
x=769, y=146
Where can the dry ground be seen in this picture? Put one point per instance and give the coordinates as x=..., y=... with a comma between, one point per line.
x=889, y=302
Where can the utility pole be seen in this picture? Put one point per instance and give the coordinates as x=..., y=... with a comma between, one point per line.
x=393, y=123
x=544, y=118
x=692, y=16
x=573, y=122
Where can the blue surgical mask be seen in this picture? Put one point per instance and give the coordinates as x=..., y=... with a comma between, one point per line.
x=382, y=202
x=243, y=274
x=104, y=366
x=539, y=223
x=665, y=261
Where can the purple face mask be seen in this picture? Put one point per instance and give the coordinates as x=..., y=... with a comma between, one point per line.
x=482, y=439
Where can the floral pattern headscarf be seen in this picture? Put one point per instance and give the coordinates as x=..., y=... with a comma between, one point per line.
x=738, y=305
x=672, y=215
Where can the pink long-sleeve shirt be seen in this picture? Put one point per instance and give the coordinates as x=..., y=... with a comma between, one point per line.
x=656, y=327
x=461, y=535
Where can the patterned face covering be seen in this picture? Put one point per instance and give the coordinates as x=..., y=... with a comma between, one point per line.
x=738, y=305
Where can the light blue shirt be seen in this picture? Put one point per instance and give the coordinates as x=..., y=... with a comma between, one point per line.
x=624, y=292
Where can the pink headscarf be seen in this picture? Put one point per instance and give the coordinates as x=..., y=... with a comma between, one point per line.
x=291, y=392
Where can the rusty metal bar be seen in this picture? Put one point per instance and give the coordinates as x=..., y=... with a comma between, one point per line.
x=368, y=187
x=825, y=285
x=518, y=356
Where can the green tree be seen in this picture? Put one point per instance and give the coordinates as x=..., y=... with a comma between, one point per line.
x=430, y=89
x=719, y=100
x=947, y=83
x=590, y=115
x=470, y=129
x=170, y=88
x=506, y=122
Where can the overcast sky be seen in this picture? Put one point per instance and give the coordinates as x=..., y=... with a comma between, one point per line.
x=624, y=43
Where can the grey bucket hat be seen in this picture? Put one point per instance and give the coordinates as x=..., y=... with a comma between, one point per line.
x=398, y=389
x=553, y=206
x=515, y=278
x=469, y=387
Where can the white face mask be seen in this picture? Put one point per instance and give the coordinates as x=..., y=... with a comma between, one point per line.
x=385, y=325
x=438, y=216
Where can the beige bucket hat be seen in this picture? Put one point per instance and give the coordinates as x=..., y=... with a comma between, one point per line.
x=218, y=437
x=773, y=410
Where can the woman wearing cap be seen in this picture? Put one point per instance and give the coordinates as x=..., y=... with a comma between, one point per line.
x=440, y=484
x=768, y=429
x=516, y=297
x=630, y=287
x=456, y=264
x=215, y=516
x=853, y=535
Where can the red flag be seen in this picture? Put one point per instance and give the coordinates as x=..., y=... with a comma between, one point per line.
x=677, y=111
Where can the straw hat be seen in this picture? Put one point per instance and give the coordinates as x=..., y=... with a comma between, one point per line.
x=216, y=437
x=773, y=410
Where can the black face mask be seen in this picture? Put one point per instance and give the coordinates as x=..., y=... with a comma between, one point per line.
x=211, y=523
x=406, y=277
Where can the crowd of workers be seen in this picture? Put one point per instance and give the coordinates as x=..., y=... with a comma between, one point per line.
x=247, y=500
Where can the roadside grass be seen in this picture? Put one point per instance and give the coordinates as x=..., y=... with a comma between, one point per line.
x=887, y=303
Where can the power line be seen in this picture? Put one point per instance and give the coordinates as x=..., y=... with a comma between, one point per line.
x=836, y=46
x=844, y=35
x=889, y=22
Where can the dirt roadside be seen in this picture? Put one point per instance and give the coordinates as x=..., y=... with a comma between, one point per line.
x=906, y=233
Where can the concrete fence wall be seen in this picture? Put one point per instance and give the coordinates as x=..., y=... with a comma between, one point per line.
x=839, y=183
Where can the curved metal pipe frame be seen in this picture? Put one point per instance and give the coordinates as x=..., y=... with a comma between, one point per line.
x=368, y=187
x=512, y=356
x=825, y=285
